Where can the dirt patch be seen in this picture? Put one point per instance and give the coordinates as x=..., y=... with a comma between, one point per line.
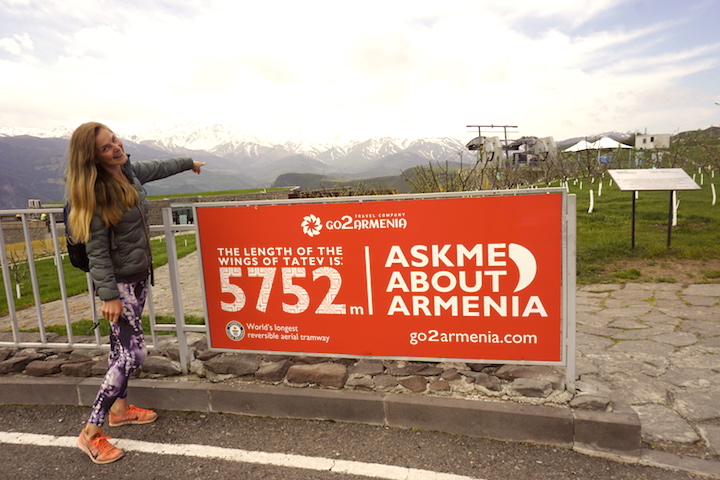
x=664, y=270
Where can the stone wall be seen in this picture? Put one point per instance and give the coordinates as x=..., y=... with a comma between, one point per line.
x=13, y=231
x=537, y=385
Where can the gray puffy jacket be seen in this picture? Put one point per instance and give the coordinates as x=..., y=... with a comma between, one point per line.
x=128, y=258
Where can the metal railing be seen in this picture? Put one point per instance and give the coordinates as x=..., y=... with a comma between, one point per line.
x=27, y=218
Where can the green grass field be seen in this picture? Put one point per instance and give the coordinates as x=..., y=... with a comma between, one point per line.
x=604, y=242
x=85, y=326
x=75, y=281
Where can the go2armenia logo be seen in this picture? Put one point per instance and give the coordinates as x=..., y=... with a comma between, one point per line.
x=312, y=225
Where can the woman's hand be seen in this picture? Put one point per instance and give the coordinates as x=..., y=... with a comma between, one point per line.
x=196, y=166
x=112, y=309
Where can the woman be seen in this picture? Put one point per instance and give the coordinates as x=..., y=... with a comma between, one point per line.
x=109, y=212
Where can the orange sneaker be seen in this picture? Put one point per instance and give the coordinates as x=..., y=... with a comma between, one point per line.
x=133, y=415
x=99, y=449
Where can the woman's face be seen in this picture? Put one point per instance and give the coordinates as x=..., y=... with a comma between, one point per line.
x=109, y=151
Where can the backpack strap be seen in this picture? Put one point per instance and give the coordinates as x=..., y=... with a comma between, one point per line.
x=146, y=232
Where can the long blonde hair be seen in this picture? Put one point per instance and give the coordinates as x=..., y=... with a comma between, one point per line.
x=89, y=186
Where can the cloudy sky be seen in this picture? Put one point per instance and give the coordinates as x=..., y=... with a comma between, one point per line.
x=320, y=70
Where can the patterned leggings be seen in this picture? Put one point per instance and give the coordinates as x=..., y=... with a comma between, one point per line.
x=127, y=349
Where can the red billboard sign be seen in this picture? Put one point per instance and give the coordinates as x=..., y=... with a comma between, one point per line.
x=472, y=278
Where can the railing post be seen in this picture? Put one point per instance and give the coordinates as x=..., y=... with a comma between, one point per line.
x=61, y=277
x=175, y=289
x=4, y=262
x=570, y=289
x=33, y=278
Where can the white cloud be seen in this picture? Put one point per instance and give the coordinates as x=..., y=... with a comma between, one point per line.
x=16, y=44
x=323, y=68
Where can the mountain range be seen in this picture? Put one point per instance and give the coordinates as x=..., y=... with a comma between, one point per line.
x=33, y=162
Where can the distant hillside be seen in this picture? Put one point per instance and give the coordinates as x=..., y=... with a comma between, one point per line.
x=309, y=181
x=31, y=168
x=35, y=167
x=712, y=134
x=305, y=181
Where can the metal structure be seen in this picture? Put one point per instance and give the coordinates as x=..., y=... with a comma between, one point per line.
x=532, y=150
x=488, y=148
x=480, y=140
x=527, y=150
x=168, y=229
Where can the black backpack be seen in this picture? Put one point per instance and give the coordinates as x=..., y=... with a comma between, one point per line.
x=76, y=250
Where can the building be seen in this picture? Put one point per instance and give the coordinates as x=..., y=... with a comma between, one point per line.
x=652, y=142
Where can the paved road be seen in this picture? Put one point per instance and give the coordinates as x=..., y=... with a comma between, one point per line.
x=187, y=446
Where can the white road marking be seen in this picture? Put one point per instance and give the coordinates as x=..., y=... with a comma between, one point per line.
x=372, y=470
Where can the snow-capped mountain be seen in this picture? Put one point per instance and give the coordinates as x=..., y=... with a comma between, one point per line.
x=194, y=136
x=59, y=132
x=32, y=160
x=235, y=159
x=222, y=140
x=264, y=159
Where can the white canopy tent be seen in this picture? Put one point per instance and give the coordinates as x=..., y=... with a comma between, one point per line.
x=601, y=144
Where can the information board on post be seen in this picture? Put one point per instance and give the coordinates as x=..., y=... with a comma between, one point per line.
x=473, y=277
x=652, y=179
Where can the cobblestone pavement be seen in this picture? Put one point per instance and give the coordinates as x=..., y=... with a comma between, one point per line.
x=655, y=347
